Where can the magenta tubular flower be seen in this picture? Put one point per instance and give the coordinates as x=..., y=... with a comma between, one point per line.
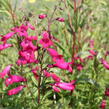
x=30, y=26
x=45, y=34
x=21, y=30
x=65, y=86
x=107, y=92
x=15, y=90
x=46, y=42
x=72, y=82
x=56, y=89
x=4, y=46
x=14, y=79
x=26, y=45
x=5, y=72
x=42, y=16
x=21, y=61
x=31, y=38
x=92, y=52
x=52, y=52
x=34, y=71
x=60, y=19
x=28, y=55
x=105, y=64
x=46, y=74
x=58, y=58
x=103, y=104
x=63, y=65
x=55, y=77
x=7, y=36
x=23, y=34
x=55, y=55
x=79, y=67
x=90, y=57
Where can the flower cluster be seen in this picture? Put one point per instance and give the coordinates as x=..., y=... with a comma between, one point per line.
x=28, y=46
x=12, y=79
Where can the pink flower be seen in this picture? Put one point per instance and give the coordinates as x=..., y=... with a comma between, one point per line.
x=7, y=36
x=107, y=92
x=65, y=86
x=5, y=71
x=23, y=34
x=4, y=46
x=60, y=19
x=52, y=52
x=56, y=89
x=46, y=74
x=59, y=60
x=90, y=57
x=28, y=55
x=73, y=82
x=105, y=64
x=14, y=79
x=103, y=104
x=42, y=16
x=46, y=42
x=55, y=77
x=21, y=61
x=79, y=67
x=93, y=52
x=21, y=30
x=15, y=90
x=45, y=34
x=56, y=57
x=26, y=44
x=35, y=73
x=63, y=65
x=30, y=26
x=31, y=38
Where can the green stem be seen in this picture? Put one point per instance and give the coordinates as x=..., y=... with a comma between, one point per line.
x=40, y=76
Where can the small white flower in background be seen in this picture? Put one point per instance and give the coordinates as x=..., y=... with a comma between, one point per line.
x=32, y=1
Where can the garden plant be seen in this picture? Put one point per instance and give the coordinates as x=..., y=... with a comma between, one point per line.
x=54, y=54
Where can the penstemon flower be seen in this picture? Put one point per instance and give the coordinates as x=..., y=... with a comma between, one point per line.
x=16, y=90
x=105, y=64
x=7, y=36
x=55, y=77
x=107, y=92
x=5, y=72
x=4, y=46
x=62, y=85
x=60, y=19
x=103, y=104
x=42, y=16
x=14, y=79
x=46, y=41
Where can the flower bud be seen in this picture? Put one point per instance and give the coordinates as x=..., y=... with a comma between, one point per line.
x=60, y=19
x=42, y=16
